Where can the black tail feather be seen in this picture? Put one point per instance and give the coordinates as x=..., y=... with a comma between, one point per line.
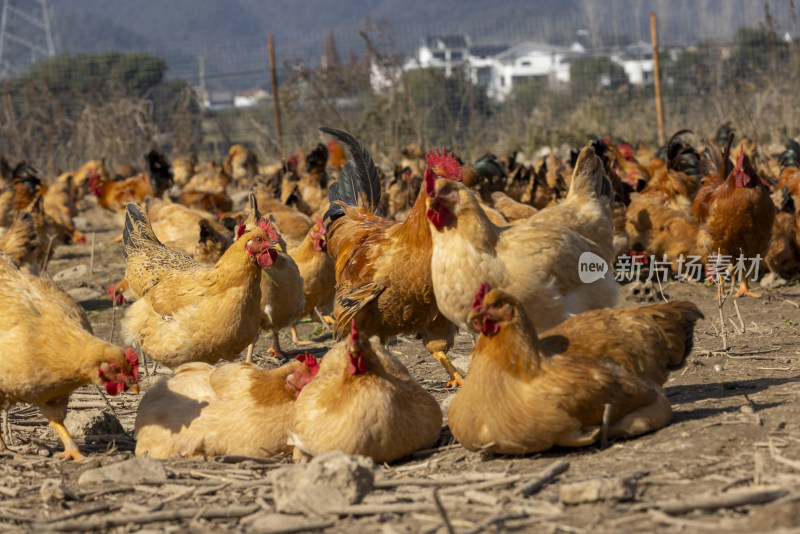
x=358, y=183
x=791, y=156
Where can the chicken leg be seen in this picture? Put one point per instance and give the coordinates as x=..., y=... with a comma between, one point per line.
x=275, y=349
x=249, y=357
x=71, y=451
x=296, y=340
x=455, y=377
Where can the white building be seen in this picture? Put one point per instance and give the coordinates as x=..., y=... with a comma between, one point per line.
x=448, y=52
x=530, y=61
x=637, y=60
x=499, y=67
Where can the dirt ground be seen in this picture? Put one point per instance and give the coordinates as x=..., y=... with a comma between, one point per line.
x=733, y=446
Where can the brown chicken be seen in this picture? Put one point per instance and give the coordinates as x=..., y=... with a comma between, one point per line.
x=383, y=267
x=527, y=393
x=364, y=401
x=7, y=210
x=674, y=183
x=313, y=180
x=190, y=231
x=115, y=196
x=319, y=275
x=183, y=169
x=21, y=242
x=234, y=409
x=59, y=195
x=209, y=201
x=212, y=179
x=282, y=300
x=28, y=185
x=661, y=231
x=783, y=255
x=47, y=350
x=187, y=311
x=510, y=208
x=789, y=161
x=51, y=232
x=337, y=157
x=540, y=259
x=291, y=222
x=81, y=177
x=735, y=213
x=241, y=165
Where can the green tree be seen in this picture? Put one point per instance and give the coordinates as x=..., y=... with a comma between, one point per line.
x=445, y=108
x=591, y=72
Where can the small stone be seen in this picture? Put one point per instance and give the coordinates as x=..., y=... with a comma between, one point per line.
x=718, y=368
x=598, y=489
x=81, y=294
x=52, y=490
x=772, y=280
x=73, y=273
x=80, y=223
x=325, y=485
x=43, y=452
x=92, y=422
x=133, y=471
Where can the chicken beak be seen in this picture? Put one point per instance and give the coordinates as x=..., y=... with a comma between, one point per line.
x=277, y=246
x=134, y=388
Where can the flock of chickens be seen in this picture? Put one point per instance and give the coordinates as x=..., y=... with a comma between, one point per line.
x=493, y=248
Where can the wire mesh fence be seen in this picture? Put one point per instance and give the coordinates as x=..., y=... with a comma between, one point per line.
x=472, y=91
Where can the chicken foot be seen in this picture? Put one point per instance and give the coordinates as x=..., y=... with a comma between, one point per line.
x=296, y=340
x=745, y=291
x=249, y=357
x=275, y=350
x=455, y=377
x=71, y=451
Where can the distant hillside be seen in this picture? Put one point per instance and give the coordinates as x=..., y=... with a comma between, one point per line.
x=231, y=33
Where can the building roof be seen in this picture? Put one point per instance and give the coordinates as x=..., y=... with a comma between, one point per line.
x=487, y=50
x=447, y=41
x=526, y=47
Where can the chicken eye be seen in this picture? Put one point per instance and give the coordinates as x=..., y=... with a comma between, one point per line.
x=258, y=240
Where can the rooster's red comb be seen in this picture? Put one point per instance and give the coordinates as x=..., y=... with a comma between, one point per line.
x=240, y=231
x=310, y=361
x=444, y=165
x=133, y=360
x=269, y=230
x=319, y=224
x=480, y=295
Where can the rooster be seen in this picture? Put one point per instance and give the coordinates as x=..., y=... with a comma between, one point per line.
x=734, y=209
x=383, y=267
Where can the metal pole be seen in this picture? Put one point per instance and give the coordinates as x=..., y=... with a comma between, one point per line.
x=275, y=100
x=657, y=80
x=3, y=22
